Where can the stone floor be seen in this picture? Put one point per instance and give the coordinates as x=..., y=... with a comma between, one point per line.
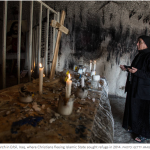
x=120, y=134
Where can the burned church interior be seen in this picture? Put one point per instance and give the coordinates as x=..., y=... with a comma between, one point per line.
x=60, y=76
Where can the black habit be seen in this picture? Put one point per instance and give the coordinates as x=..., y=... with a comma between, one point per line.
x=137, y=107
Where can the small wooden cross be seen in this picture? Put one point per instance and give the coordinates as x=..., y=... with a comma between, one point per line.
x=61, y=29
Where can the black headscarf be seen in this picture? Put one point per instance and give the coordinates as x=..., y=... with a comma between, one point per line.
x=146, y=39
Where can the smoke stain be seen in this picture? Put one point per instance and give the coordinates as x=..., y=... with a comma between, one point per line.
x=103, y=18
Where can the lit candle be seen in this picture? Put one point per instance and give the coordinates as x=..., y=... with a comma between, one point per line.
x=68, y=87
x=82, y=82
x=94, y=65
x=84, y=69
x=90, y=65
x=40, y=79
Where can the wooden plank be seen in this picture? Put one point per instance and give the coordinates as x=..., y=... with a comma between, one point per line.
x=46, y=49
x=4, y=41
x=57, y=47
x=60, y=27
x=30, y=40
x=58, y=20
x=19, y=39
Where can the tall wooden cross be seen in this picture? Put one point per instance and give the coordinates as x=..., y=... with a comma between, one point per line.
x=61, y=29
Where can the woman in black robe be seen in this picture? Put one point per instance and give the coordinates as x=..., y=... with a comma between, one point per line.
x=137, y=108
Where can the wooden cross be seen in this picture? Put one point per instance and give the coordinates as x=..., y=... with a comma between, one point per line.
x=61, y=29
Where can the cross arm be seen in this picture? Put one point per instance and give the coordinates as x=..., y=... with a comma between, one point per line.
x=60, y=27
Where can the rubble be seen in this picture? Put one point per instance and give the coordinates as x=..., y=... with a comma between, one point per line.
x=34, y=103
x=78, y=110
x=93, y=99
x=29, y=110
x=8, y=112
x=82, y=93
x=36, y=107
x=43, y=106
x=57, y=115
x=48, y=110
x=52, y=120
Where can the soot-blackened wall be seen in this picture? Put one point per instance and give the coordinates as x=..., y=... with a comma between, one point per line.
x=103, y=31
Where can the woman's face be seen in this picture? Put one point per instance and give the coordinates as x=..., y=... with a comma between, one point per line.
x=141, y=44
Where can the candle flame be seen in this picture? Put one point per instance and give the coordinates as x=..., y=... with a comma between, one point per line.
x=40, y=65
x=69, y=76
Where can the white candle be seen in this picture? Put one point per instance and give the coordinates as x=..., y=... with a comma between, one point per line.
x=84, y=69
x=82, y=82
x=94, y=65
x=40, y=79
x=68, y=87
x=90, y=65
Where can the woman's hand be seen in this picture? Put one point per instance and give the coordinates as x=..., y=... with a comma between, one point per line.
x=123, y=68
x=133, y=70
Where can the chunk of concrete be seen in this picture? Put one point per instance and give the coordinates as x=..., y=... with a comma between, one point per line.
x=52, y=120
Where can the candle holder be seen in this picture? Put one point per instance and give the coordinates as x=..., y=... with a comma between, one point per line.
x=90, y=65
x=25, y=95
x=82, y=93
x=95, y=83
x=26, y=99
x=65, y=106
